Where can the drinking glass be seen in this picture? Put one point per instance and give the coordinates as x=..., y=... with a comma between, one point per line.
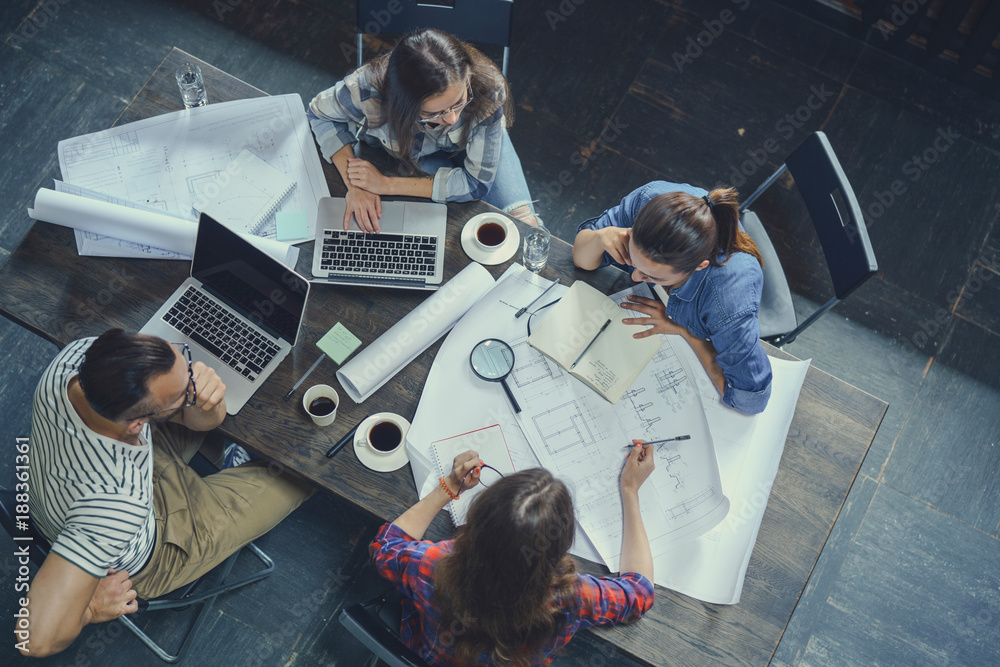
x=192, y=87
x=535, y=252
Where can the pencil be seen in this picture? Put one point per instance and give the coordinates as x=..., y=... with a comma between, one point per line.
x=658, y=442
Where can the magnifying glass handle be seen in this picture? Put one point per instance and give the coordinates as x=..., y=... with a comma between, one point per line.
x=513, y=401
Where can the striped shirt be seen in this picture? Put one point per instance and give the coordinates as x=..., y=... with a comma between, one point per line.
x=347, y=111
x=90, y=495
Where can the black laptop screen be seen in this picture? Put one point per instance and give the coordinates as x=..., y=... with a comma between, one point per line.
x=251, y=281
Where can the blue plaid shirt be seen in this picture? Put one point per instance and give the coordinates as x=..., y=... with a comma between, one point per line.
x=409, y=564
x=345, y=114
x=718, y=303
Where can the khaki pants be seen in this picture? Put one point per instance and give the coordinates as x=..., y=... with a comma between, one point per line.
x=202, y=521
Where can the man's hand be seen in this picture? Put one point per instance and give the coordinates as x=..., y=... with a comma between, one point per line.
x=211, y=390
x=366, y=208
x=656, y=319
x=114, y=597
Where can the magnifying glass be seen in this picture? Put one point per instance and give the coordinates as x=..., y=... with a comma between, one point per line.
x=493, y=360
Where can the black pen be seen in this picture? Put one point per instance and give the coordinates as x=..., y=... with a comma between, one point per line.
x=343, y=441
x=657, y=442
x=573, y=365
x=522, y=311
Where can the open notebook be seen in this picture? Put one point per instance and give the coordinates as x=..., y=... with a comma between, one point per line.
x=245, y=194
x=489, y=443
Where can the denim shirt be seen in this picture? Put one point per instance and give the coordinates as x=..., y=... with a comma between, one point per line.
x=718, y=303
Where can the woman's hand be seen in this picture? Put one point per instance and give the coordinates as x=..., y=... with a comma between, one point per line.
x=656, y=317
x=464, y=471
x=638, y=467
x=363, y=174
x=366, y=207
x=615, y=240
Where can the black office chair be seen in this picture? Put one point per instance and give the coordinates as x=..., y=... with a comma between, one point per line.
x=482, y=21
x=178, y=599
x=839, y=225
x=376, y=624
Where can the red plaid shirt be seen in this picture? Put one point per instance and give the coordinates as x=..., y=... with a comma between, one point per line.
x=409, y=564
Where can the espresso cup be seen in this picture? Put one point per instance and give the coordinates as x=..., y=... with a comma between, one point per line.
x=490, y=233
x=383, y=436
x=320, y=403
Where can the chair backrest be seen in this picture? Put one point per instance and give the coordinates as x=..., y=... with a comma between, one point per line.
x=376, y=624
x=835, y=213
x=482, y=21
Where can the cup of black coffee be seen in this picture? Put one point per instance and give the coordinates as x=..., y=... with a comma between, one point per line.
x=490, y=233
x=384, y=436
x=321, y=402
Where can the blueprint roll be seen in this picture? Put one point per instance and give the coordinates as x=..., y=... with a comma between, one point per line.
x=392, y=351
x=130, y=224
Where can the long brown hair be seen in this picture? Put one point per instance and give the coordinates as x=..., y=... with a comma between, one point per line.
x=500, y=586
x=426, y=63
x=682, y=230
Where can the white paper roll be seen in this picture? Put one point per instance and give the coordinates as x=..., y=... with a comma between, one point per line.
x=397, y=347
x=138, y=226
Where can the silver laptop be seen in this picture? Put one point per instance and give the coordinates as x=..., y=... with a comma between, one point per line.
x=239, y=310
x=407, y=252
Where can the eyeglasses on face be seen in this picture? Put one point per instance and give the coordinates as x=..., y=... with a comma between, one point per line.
x=424, y=120
x=190, y=393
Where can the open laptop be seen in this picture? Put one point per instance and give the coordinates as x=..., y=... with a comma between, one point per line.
x=407, y=252
x=239, y=310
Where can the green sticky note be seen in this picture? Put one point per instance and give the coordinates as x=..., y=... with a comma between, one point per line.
x=338, y=343
x=292, y=225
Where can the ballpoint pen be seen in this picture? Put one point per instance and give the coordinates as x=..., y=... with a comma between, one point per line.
x=573, y=365
x=343, y=441
x=657, y=442
x=523, y=310
x=303, y=378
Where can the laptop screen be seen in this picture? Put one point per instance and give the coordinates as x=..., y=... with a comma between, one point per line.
x=258, y=286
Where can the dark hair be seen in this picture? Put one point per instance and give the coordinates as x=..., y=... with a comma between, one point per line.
x=509, y=563
x=424, y=64
x=682, y=230
x=117, y=368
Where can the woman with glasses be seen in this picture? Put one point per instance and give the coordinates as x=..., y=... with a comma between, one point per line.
x=505, y=590
x=441, y=108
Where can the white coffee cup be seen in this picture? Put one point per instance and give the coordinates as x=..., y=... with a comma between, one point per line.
x=319, y=409
x=383, y=436
x=490, y=233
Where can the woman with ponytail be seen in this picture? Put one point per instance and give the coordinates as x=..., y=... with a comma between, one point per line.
x=689, y=241
x=505, y=591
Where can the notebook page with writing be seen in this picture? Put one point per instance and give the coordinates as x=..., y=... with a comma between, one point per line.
x=245, y=194
x=489, y=443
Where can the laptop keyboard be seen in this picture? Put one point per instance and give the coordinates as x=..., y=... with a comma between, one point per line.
x=212, y=326
x=358, y=253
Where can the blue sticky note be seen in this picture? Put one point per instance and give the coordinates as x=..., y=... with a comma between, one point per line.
x=292, y=225
x=338, y=343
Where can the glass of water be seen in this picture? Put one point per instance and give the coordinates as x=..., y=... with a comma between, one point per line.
x=191, y=85
x=535, y=252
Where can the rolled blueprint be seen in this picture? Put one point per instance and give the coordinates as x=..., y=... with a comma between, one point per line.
x=136, y=225
x=397, y=347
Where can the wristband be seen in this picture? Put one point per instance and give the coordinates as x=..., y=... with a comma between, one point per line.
x=444, y=485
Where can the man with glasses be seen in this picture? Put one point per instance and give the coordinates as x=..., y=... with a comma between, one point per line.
x=115, y=421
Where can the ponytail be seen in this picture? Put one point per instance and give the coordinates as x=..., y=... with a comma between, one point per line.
x=682, y=231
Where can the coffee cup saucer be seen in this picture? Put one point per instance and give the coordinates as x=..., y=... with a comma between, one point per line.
x=503, y=252
x=378, y=461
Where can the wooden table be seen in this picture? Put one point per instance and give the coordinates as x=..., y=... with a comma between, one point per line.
x=47, y=288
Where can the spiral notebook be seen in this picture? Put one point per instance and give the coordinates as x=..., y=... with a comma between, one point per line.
x=489, y=443
x=245, y=194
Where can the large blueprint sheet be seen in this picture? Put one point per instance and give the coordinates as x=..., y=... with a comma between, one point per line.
x=161, y=162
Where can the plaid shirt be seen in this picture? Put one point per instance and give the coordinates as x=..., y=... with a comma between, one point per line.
x=343, y=114
x=409, y=564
